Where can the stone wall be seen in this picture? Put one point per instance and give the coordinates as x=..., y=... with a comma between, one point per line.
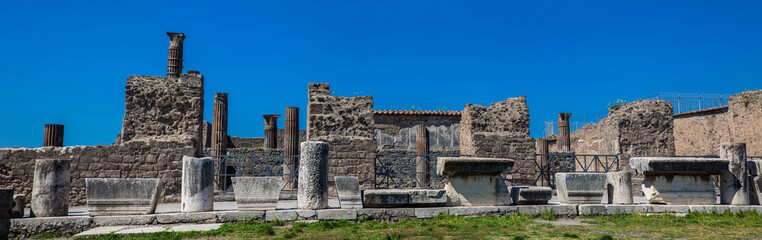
x=397, y=131
x=164, y=109
x=745, y=119
x=346, y=123
x=500, y=131
x=699, y=133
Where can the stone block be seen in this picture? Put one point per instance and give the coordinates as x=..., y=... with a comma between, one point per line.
x=257, y=193
x=403, y=197
x=475, y=181
x=385, y=214
x=625, y=209
x=123, y=220
x=580, y=188
x=619, y=187
x=337, y=214
x=474, y=211
x=50, y=190
x=306, y=214
x=286, y=215
x=556, y=209
x=189, y=217
x=656, y=208
x=348, y=189
x=734, y=184
x=313, y=176
x=523, y=195
x=709, y=208
x=430, y=212
x=679, y=181
x=234, y=216
x=197, y=193
x=25, y=227
x=592, y=209
x=19, y=203
x=122, y=196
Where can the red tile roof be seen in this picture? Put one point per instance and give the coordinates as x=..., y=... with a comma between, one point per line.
x=416, y=112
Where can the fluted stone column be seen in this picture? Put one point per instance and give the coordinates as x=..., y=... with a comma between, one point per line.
x=564, y=136
x=54, y=135
x=175, y=57
x=291, y=146
x=734, y=184
x=50, y=190
x=220, y=134
x=422, y=148
x=197, y=193
x=6, y=203
x=271, y=131
x=313, y=176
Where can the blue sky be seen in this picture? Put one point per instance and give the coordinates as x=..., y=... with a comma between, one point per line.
x=67, y=61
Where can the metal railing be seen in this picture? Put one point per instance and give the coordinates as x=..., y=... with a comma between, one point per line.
x=399, y=171
x=547, y=165
x=686, y=102
x=228, y=166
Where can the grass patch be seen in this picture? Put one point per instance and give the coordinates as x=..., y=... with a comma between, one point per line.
x=629, y=226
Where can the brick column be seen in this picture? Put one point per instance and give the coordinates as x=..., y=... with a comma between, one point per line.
x=291, y=146
x=220, y=133
x=54, y=135
x=175, y=57
x=564, y=141
x=422, y=148
x=271, y=131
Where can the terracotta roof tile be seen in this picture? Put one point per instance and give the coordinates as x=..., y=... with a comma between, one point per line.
x=417, y=112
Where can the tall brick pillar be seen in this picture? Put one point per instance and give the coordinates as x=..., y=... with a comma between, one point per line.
x=422, y=148
x=291, y=146
x=564, y=136
x=54, y=135
x=220, y=133
x=175, y=58
x=271, y=131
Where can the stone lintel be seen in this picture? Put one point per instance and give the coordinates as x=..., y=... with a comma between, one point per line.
x=679, y=165
x=473, y=165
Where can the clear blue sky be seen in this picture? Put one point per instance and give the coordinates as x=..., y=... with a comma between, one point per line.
x=66, y=62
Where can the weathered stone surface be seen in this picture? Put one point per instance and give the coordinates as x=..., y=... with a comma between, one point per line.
x=6, y=203
x=581, y=188
x=337, y=214
x=625, y=209
x=619, y=187
x=313, y=176
x=52, y=183
x=475, y=181
x=19, y=202
x=755, y=181
x=430, y=212
x=734, y=184
x=403, y=197
x=198, y=185
x=531, y=195
x=348, y=189
x=306, y=214
x=25, y=227
x=385, y=214
x=234, y=216
x=187, y=217
x=592, y=209
x=123, y=220
x=558, y=210
x=122, y=196
x=287, y=215
x=257, y=193
x=679, y=180
x=657, y=208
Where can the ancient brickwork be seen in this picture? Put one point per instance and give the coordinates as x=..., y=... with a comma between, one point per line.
x=158, y=108
x=346, y=123
x=745, y=119
x=500, y=131
x=699, y=133
x=397, y=131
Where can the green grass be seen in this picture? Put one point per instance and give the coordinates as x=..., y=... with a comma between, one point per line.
x=630, y=226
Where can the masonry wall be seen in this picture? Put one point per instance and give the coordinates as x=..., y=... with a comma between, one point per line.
x=501, y=131
x=745, y=119
x=397, y=131
x=346, y=123
x=699, y=133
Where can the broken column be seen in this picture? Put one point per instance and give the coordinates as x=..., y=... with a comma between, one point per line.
x=422, y=167
x=580, y=188
x=291, y=148
x=564, y=135
x=54, y=135
x=619, y=187
x=475, y=181
x=313, y=176
x=257, y=193
x=50, y=190
x=271, y=131
x=220, y=136
x=679, y=180
x=175, y=57
x=734, y=183
x=6, y=203
x=197, y=193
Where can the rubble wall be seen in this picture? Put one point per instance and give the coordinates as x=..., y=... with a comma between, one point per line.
x=501, y=131
x=398, y=131
x=346, y=123
x=745, y=120
x=699, y=133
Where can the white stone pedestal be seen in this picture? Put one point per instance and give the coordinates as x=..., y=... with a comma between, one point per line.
x=679, y=181
x=475, y=181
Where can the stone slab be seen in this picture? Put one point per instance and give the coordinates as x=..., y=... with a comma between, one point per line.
x=473, y=165
x=99, y=231
x=123, y=220
x=23, y=227
x=657, y=208
x=404, y=197
x=191, y=217
x=142, y=230
x=286, y=215
x=385, y=214
x=430, y=212
x=679, y=165
x=195, y=227
x=348, y=189
x=522, y=195
x=306, y=214
x=592, y=209
x=558, y=210
x=257, y=193
x=580, y=188
x=234, y=216
x=337, y=214
x=122, y=196
x=625, y=209
x=474, y=211
x=679, y=189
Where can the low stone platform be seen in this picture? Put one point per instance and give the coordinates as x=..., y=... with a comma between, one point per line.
x=404, y=197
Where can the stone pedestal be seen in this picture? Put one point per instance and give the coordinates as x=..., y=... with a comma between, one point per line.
x=755, y=181
x=580, y=188
x=475, y=181
x=313, y=176
x=679, y=181
x=122, y=196
x=257, y=193
x=19, y=203
x=734, y=184
x=6, y=203
x=51, y=187
x=197, y=193
x=348, y=189
x=527, y=195
x=619, y=187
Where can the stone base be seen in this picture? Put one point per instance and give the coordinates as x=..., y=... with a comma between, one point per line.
x=122, y=196
x=477, y=190
x=404, y=198
x=679, y=189
x=348, y=189
x=531, y=195
x=580, y=188
x=257, y=193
